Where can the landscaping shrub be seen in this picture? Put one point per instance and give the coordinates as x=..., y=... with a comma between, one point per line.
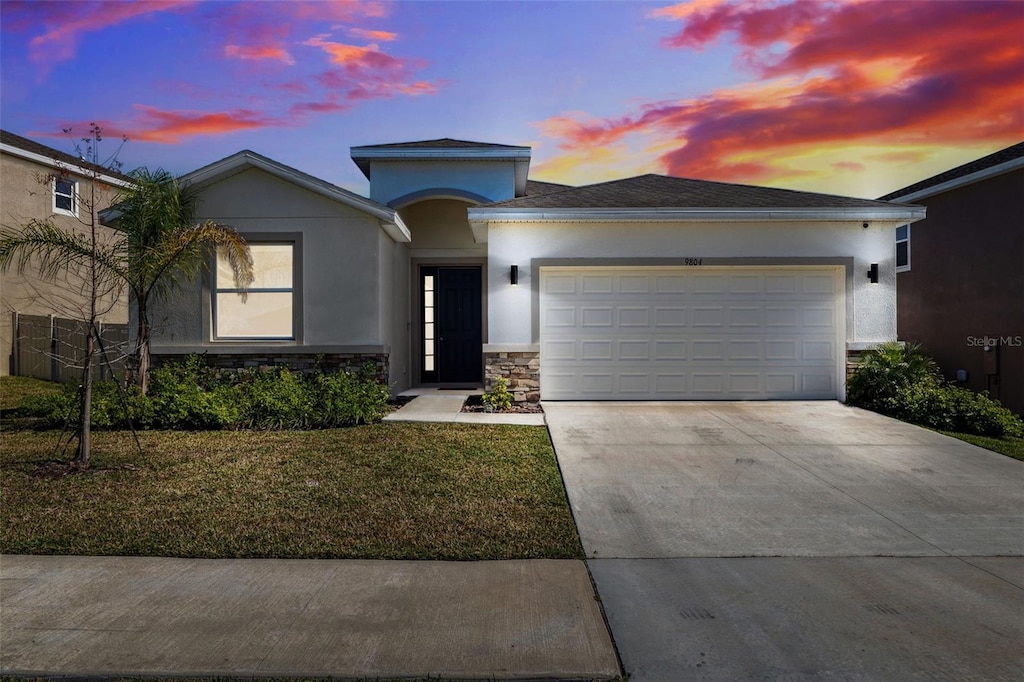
x=904, y=382
x=189, y=395
x=499, y=397
x=886, y=372
x=111, y=408
x=348, y=398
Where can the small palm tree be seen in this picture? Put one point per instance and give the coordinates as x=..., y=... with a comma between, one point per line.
x=164, y=245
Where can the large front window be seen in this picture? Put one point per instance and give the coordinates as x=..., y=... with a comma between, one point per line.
x=266, y=309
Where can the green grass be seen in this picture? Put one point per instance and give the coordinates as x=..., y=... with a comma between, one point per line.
x=14, y=391
x=385, y=491
x=1007, y=445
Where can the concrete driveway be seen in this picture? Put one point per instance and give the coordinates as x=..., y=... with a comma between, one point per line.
x=786, y=540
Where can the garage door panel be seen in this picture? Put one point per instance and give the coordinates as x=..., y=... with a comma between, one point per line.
x=666, y=316
x=698, y=333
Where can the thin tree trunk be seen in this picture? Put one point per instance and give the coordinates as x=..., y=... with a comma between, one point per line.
x=81, y=459
x=142, y=379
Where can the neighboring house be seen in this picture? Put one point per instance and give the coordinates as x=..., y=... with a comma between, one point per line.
x=961, y=273
x=458, y=267
x=41, y=183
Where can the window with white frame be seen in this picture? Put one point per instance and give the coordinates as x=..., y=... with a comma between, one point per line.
x=903, y=248
x=266, y=310
x=65, y=196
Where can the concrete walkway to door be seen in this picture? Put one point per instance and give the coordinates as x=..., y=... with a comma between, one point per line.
x=795, y=540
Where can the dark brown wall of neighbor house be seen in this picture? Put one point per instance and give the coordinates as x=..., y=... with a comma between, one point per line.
x=966, y=283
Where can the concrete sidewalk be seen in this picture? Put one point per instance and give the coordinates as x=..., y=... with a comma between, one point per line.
x=128, y=616
x=447, y=407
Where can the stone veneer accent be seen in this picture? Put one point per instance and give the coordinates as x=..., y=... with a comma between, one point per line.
x=299, y=362
x=520, y=368
x=852, y=361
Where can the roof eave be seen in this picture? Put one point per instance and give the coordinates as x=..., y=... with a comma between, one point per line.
x=389, y=219
x=363, y=157
x=900, y=214
x=969, y=179
x=53, y=163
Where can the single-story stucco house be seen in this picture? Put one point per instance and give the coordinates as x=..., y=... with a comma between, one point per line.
x=458, y=268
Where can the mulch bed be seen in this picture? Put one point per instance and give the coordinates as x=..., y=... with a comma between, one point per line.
x=474, y=403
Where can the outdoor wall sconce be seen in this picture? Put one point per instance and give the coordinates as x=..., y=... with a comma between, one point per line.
x=873, y=273
x=513, y=275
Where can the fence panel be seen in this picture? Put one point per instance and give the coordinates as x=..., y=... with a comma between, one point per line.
x=53, y=348
x=33, y=339
x=69, y=351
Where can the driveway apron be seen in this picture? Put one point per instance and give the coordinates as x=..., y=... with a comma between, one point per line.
x=795, y=540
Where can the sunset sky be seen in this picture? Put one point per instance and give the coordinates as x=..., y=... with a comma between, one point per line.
x=857, y=97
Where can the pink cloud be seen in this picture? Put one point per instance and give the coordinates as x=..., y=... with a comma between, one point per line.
x=848, y=166
x=169, y=127
x=256, y=52
x=871, y=73
x=366, y=34
x=61, y=25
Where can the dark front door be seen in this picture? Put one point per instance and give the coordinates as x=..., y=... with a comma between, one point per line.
x=452, y=299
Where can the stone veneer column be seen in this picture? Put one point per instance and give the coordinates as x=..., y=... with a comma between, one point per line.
x=520, y=367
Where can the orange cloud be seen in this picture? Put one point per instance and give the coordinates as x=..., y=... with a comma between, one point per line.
x=354, y=56
x=890, y=74
x=258, y=52
x=366, y=72
x=170, y=127
x=365, y=34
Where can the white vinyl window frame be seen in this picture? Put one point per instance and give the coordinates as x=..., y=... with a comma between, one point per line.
x=903, y=240
x=221, y=290
x=65, y=196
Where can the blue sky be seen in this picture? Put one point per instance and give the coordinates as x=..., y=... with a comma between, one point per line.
x=852, y=97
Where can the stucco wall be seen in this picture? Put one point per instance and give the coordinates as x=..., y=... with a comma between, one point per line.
x=966, y=282
x=340, y=253
x=26, y=193
x=391, y=180
x=871, y=308
x=396, y=315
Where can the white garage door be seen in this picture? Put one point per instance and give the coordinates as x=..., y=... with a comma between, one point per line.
x=695, y=333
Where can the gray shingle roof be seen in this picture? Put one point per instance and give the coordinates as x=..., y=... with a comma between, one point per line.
x=23, y=143
x=1002, y=156
x=442, y=143
x=537, y=187
x=660, y=191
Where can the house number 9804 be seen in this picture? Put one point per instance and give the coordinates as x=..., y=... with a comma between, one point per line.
x=693, y=261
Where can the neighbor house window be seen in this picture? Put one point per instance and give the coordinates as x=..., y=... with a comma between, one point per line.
x=266, y=309
x=903, y=248
x=65, y=196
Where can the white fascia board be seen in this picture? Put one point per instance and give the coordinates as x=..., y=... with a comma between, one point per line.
x=900, y=214
x=389, y=218
x=54, y=163
x=1005, y=167
x=441, y=153
x=479, y=228
x=397, y=229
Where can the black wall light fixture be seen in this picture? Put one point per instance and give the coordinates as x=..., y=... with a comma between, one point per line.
x=513, y=275
x=873, y=273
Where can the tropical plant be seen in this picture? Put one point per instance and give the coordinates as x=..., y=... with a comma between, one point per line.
x=887, y=371
x=164, y=245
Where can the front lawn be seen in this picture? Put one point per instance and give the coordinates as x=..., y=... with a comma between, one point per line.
x=385, y=491
x=1007, y=445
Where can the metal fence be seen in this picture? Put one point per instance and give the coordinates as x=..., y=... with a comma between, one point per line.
x=53, y=348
